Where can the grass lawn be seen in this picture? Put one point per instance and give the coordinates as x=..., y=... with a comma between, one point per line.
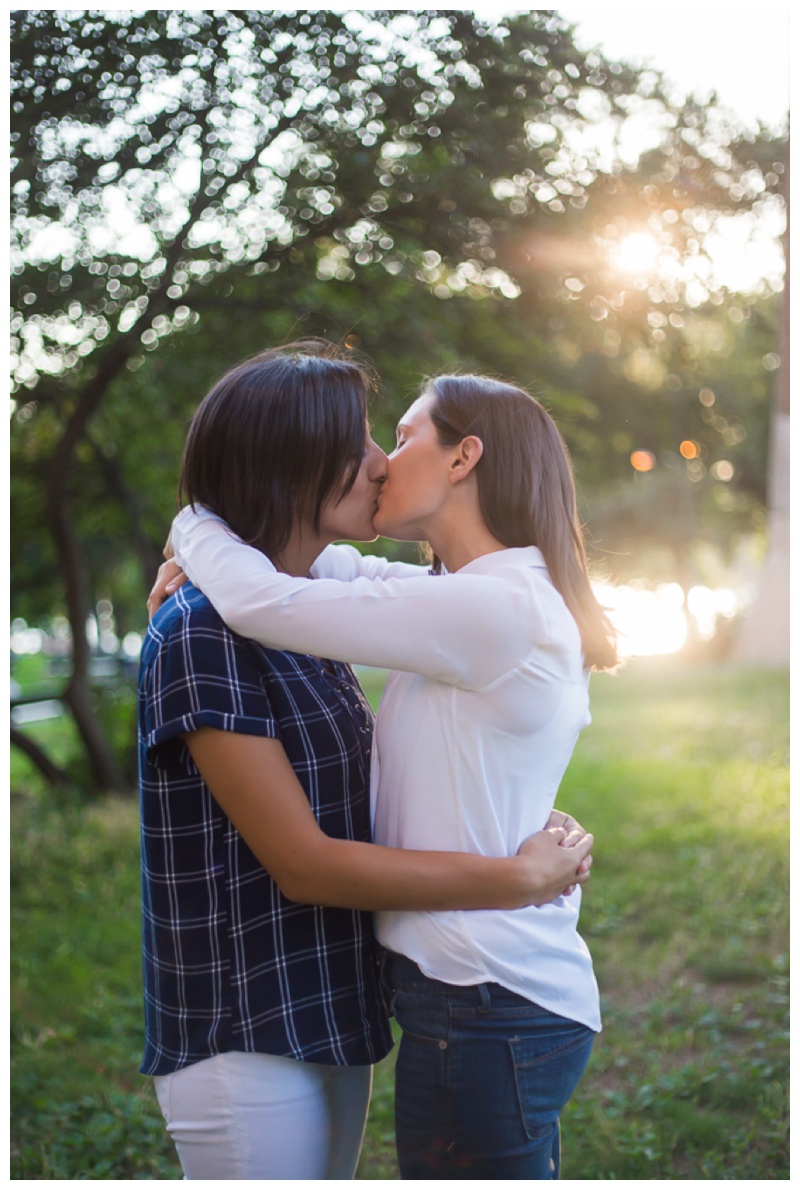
x=683, y=777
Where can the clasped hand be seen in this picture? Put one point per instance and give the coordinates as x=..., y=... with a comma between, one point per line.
x=562, y=857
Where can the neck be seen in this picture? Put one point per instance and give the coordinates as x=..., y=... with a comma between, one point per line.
x=463, y=541
x=300, y=553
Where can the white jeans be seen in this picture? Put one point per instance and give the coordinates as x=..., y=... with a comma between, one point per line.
x=260, y=1116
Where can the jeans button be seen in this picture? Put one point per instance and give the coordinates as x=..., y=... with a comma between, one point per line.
x=442, y=1045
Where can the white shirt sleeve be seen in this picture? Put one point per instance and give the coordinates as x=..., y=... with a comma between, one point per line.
x=467, y=630
x=345, y=562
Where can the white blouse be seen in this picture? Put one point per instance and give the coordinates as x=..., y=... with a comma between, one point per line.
x=474, y=729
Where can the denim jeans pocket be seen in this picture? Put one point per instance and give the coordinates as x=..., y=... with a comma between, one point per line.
x=548, y=1065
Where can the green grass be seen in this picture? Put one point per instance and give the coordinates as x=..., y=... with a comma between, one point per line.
x=683, y=777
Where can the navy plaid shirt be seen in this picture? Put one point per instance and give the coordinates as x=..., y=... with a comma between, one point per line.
x=229, y=962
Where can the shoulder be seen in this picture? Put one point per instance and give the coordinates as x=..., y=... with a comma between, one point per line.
x=511, y=590
x=501, y=584
x=188, y=634
x=185, y=614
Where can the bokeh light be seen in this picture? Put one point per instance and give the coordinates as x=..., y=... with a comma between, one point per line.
x=643, y=460
x=658, y=621
x=707, y=607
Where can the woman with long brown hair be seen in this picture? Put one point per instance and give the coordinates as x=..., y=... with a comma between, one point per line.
x=476, y=726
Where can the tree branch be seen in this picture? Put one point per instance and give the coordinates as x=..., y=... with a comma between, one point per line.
x=50, y=771
x=149, y=558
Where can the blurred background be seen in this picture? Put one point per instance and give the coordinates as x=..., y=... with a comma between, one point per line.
x=591, y=204
x=436, y=191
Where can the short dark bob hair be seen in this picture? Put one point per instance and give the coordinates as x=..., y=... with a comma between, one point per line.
x=275, y=438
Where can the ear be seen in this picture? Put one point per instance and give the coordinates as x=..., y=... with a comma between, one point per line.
x=465, y=456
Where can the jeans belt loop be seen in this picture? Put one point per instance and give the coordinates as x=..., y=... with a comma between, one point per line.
x=486, y=999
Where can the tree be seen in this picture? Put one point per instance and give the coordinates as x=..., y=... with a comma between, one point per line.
x=166, y=162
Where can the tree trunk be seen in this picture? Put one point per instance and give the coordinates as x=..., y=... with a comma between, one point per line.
x=106, y=772
x=764, y=637
x=77, y=697
x=149, y=558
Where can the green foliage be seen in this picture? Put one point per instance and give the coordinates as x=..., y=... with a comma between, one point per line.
x=190, y=186
x=683, y=777
x=115, y=705
x=241, y=140
x=410, y=200
x=112, y=1137
x=31, y=672
x=76, y=1008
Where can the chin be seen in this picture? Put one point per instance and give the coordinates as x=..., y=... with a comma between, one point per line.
x=395, y=532
x=381, y=527
x=366, y=532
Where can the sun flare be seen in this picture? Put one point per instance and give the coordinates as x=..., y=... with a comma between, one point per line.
x=637, y=253
x=648, y=621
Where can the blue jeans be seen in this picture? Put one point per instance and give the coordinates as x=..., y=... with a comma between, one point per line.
x=482, y=1076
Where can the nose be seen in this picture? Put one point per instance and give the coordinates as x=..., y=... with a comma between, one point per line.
x=376, y=462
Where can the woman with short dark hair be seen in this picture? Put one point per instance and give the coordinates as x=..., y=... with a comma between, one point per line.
x=274, y=438
x=263, y=1013
x=475, y=729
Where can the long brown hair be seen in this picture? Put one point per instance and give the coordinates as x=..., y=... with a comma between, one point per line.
x=275, y=438
x=526, y=489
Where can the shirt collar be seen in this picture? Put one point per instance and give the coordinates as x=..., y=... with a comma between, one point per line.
x=517, y=556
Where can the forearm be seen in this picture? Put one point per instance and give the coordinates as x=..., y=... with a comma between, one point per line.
x=255, y=785
x=350, y=875
x=469, y=633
